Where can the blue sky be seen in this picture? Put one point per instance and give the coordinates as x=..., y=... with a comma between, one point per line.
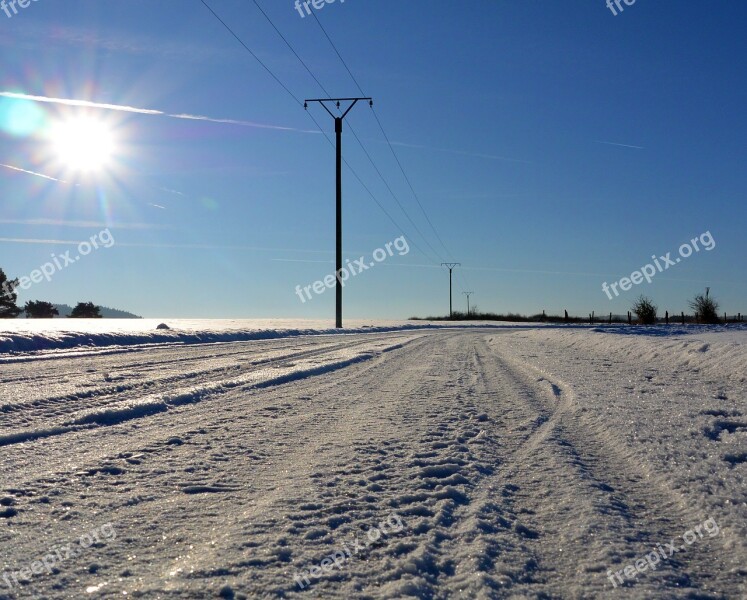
x=554, y=146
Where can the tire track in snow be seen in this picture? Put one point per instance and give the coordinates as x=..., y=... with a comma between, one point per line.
x=619, y=509
x=139, y=483
x=313, y=508
x=111, y=406
x=406, y=449
x=123, y=369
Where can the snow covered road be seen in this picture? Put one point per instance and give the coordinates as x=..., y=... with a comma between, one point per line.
x=465, y=463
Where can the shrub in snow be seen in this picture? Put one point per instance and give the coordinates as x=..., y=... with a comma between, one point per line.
x=645, y=310
x=705, y=307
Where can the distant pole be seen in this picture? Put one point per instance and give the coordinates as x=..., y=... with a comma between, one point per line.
x=468, y=294
x=450, y=266
x=338, y=134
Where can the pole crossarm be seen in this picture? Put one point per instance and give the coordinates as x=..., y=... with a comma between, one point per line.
x=336, y=102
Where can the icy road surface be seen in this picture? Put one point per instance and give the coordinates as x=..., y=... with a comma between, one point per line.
x=469, y=463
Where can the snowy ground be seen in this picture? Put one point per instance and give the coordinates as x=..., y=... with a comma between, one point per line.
x=426, y=463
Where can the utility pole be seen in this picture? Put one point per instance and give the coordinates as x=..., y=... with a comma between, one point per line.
x=468, y=294
x=338, y=133
x=450, y=266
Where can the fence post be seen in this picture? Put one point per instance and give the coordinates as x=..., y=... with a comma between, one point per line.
x=666, y=317
x=566, y=316
x=630, y=318
x=610, y=318
x=683, y=318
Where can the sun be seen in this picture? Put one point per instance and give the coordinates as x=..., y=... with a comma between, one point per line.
x=83, y=144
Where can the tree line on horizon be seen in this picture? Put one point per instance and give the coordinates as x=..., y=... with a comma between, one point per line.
x=705, y=311
x=38, y=309
x=704, y=306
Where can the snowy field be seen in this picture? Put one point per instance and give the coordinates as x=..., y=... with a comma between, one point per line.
x=399, y=460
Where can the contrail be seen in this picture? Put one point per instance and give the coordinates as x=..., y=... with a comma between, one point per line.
x=535, y=271
x=461, y=152
x=45, y=241
x=170, y=191
x=34, y=173
x=301, y=260
x=84, y=103
x=422, y=266
x=352, y=254
x=621, y=145
x=81, y=224
x=146, y=111
x=37, y=241
x=235, y=122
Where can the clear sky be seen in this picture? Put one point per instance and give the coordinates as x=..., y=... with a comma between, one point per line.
x=554, y=146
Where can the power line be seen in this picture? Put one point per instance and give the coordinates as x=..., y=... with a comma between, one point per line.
x=465, y=282
x=388, y=187
x=379, y=204
x=287, y=43
x=249, y=50
x=355, y=135
x=386, y=137
x=298, y=101
x=352, y=130
x=342, y=60
x=407, y=179
x=463, y=277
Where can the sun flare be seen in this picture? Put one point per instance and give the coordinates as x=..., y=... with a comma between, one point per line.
x=83, y=144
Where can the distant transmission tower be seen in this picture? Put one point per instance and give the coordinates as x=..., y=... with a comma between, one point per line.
x=450, y=266
x=468, y=294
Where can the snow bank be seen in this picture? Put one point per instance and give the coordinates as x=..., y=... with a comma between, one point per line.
x=20, y=342
x=718, y=351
